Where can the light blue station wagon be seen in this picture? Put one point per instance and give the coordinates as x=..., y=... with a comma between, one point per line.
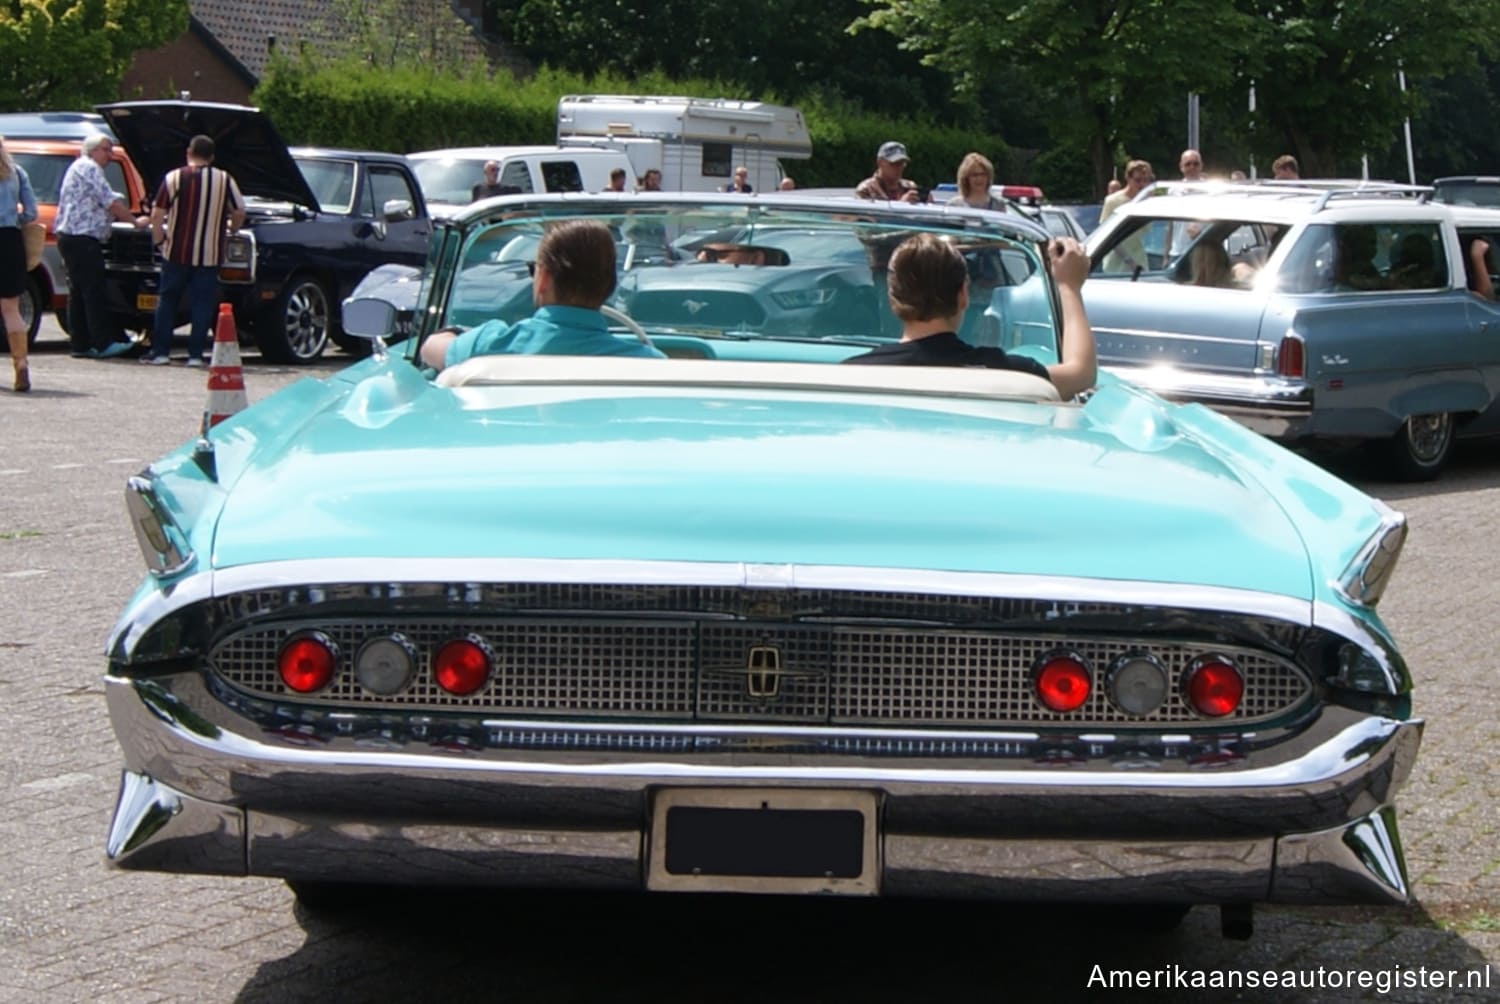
x=1312, y=312
x=745, y=620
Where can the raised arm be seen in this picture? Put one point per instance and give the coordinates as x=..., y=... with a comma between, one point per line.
x=1079, y=367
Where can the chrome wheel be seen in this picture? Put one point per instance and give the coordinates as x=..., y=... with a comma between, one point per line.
x=1421, y=447
x=298, y=325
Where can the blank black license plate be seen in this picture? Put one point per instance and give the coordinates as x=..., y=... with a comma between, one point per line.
x=764, y=841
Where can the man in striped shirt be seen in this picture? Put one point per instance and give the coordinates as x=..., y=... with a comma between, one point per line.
x=192, y=208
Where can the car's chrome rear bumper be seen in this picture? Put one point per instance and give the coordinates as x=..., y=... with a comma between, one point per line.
x=1306, y=820
x=1276, y=407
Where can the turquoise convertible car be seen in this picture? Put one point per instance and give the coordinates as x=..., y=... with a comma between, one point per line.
x=742, y=619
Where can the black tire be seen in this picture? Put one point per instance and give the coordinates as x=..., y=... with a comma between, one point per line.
x=1419, y=450
x=297, y=326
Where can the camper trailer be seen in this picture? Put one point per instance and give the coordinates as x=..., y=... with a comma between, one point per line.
x=696, y=143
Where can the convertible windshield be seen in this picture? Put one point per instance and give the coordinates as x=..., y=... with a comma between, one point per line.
x=773, y=280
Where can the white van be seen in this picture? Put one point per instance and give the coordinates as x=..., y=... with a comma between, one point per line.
x=696, y=143
x=448, y=177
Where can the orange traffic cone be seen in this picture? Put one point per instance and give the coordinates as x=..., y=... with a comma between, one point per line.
x=226, y=378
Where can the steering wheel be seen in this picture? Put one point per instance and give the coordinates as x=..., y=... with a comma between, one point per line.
x=620, y=317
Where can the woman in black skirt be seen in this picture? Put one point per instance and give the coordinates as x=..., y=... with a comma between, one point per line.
x=17, y=206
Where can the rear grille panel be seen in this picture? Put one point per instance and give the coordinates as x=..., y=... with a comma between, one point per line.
x=685, y=669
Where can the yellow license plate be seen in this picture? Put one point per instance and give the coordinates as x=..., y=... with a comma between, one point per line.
x=145, y=301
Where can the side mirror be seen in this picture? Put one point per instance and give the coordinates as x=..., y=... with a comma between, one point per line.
x=396, y=209
x=368, y=317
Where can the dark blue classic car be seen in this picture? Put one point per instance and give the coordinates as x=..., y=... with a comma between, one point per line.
x=747, y=620
x=318, y=221
x=1334, y=313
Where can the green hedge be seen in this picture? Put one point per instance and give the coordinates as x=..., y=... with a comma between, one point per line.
x=409, y=109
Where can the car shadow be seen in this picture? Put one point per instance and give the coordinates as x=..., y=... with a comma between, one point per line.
x=1474, y=465
x=509, y=945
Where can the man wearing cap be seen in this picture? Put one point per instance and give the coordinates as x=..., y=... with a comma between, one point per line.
x=887, y=182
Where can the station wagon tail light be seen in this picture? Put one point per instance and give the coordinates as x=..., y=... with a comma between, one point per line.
x=385, y=665
x=1291, y=357
x=307, y=661
x=462, y=666
x=1213, y=686
x=1062, y=681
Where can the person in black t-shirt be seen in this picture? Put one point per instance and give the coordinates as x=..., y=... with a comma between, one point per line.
x=927, y=285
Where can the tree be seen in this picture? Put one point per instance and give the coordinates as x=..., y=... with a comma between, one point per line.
x=386, y=34
x=1326, y=79
x=67, y=54
x=787, y=47
x=1105, y=67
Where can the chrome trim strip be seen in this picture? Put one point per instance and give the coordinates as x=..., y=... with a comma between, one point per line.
x=587, y=571
x=1102, y=335
x=1063, y=590
x=174, y=737
x=1274, y=395
x=778, y=731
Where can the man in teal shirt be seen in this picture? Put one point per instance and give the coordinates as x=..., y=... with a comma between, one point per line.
x=573, y=275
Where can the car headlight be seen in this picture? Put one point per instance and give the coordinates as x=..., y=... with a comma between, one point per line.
x=801, y=299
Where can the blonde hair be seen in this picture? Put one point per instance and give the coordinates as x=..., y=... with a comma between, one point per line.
x=967, y=166
x=7, y=166
x=1210, y=265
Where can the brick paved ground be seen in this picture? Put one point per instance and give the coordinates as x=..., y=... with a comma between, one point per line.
x=71, y=929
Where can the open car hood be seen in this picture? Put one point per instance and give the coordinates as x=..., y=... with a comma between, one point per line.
x=156, y=135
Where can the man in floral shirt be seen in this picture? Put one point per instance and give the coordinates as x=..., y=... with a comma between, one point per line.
x=85, y=207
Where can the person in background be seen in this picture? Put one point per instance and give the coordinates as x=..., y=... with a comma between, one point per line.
x=1138, y=175
x=888, y=182
x=928, y=287
x=1237, y=175
x=85, y=208
x=651, y=180
x=491, y=186
x=1477, y=268
x=1284, y=168
x=787, y=184
x=1113, y=186
x=1191, y=166
x=616, y=180
x=192, y=208
x=741, y=182
x=17, y=206
x=574, y=273
x=1130, y=253
x=975, y=176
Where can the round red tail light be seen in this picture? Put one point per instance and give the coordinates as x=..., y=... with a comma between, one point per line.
x=1213, y=686
x=306, y=662
x=1062, y=681
x=462, y=666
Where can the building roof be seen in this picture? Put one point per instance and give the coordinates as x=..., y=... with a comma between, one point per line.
x=244, y=29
